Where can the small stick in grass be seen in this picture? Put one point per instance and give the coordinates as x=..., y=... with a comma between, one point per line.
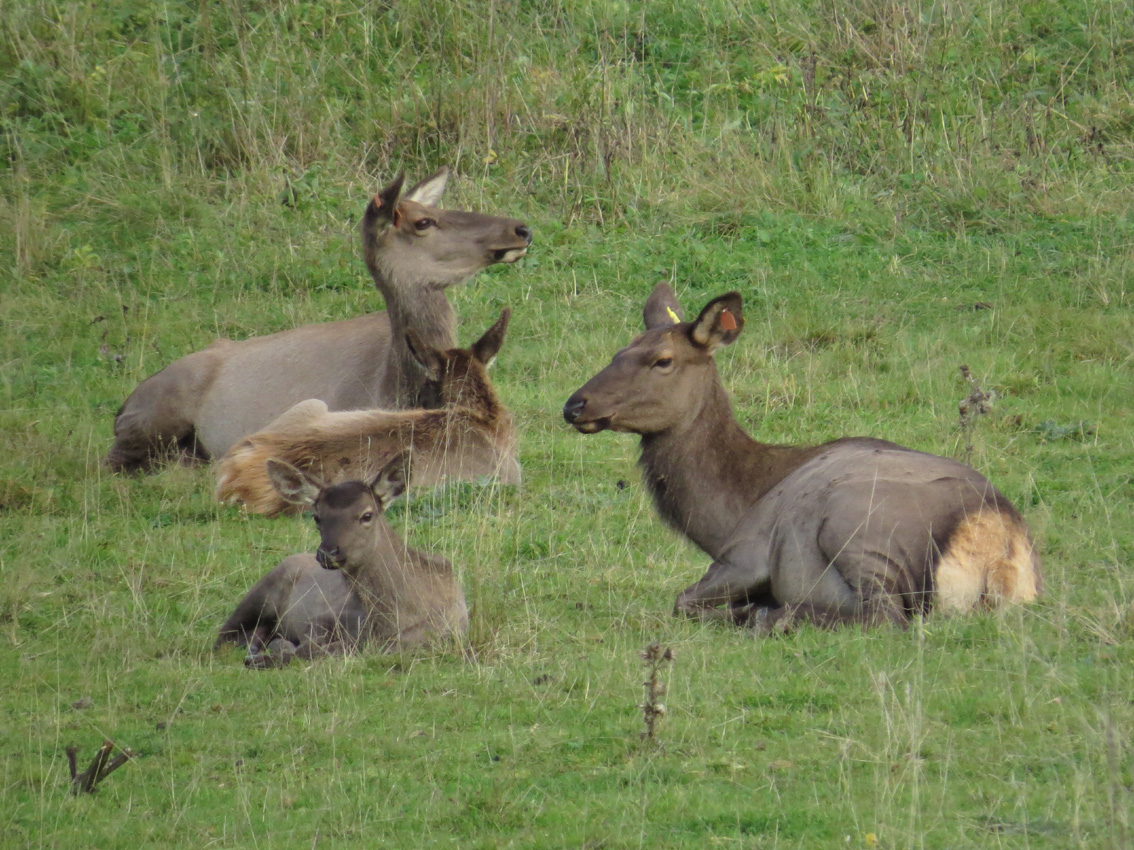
x=653, y=708
x=101, y=766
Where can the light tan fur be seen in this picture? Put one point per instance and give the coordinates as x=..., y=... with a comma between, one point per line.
x=471, y=436
x=201, y=405
x=989, y=560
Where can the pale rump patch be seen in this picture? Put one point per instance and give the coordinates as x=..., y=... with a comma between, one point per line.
x=990, y=559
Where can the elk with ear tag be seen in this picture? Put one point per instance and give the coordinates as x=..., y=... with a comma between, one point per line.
x=855, y=530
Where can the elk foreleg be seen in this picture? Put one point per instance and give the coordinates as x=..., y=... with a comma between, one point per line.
x=783, y=619
x=280, y=652
x=256, y=619
x=275, y=653
x=726, y=592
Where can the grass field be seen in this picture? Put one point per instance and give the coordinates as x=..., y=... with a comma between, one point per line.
x=897, y=189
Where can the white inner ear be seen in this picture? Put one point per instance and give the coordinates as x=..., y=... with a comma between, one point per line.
x=703, y=330
x=429, y=192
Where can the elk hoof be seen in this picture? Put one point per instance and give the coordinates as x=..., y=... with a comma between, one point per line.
x=278, y=653
x=747, y=614
x=767, y=622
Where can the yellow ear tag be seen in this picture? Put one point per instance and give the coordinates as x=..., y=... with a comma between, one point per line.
x=673, y=315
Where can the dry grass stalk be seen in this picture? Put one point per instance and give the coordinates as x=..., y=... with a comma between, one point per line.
x=653, y=708
x=978, y=403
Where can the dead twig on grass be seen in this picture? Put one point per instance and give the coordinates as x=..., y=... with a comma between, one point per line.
x=653, y=708
x=101, y=767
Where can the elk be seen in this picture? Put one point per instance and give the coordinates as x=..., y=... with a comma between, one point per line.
x=363, y=587
x=857, y=530
x=469, y=436
x=196, y=408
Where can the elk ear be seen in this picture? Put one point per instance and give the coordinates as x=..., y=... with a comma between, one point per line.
x=428, y=357
x=430, y=190
x=720, y=322
x=382, y=206
x=391, y=480
x=662, y=309
x=296, y=486
x=487, y=347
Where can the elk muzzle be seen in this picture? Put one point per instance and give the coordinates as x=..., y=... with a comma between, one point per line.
x=330, y=558
x=514, y=252
x=576, y=414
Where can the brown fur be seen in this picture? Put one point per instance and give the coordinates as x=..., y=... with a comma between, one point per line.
x=198, y=407
x=364, y=587
x=470, y=436
x=855, y=530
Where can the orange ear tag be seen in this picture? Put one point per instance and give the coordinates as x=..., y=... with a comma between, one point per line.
x=728, y=321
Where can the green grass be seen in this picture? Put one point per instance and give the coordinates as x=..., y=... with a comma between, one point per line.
x=895, y=189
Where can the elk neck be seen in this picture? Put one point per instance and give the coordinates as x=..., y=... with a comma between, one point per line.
x=479, y=396
x=423, y=306
x=385, y=577
x=706, y=472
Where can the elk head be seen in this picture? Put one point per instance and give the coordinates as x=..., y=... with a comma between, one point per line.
x=409, y=239
x=349, y=516
x=660, y=379
x=459, y=376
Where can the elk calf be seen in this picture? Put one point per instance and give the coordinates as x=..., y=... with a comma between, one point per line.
x=469, y=436
x=196, y=408
x=363, y=587
x=855, y=530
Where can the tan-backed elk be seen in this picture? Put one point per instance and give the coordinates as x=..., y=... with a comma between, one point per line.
x=199, y=406
x=468, y=437
x=364, y=587
x=855, y=530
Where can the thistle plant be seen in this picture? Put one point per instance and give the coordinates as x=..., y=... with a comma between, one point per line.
x=655, y=657
x=978, y=403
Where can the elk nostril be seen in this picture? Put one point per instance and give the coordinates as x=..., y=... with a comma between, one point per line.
x=525, y=233
x=573, y=408
x=328, y=558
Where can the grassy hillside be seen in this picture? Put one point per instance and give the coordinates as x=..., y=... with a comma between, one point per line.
x=897, y=189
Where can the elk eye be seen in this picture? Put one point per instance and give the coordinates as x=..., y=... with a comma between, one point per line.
x=423, y=224
x=663, y=362
x=366, y=517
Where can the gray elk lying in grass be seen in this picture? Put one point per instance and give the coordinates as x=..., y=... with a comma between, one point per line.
x=855, y=530
x=364, y=587
x=199, y=406
x=469, y=436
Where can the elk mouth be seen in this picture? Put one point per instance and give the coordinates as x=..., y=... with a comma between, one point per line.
x=326, y=561
x=574, y=411
x=508, y=255
x=593, y=426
